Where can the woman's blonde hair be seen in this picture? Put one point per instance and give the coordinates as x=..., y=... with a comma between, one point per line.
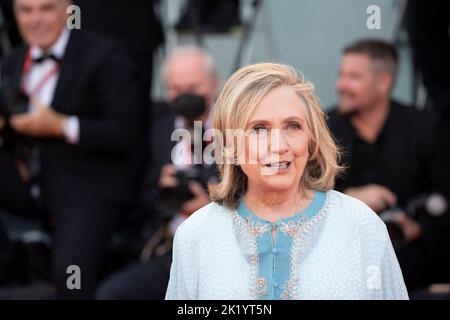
x=242, y=93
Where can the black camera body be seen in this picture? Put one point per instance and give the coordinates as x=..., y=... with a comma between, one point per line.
x=13, y=101
x=171, y=199
x=418, y=207
x=395, y=232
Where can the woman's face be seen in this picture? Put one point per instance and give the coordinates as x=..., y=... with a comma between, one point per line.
x=276, y=148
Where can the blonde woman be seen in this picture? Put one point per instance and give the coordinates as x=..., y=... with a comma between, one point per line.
x=276, y=229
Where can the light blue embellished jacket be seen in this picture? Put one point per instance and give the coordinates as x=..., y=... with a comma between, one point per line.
x=337, y=248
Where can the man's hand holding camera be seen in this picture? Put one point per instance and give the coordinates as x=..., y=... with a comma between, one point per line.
x=380, y=198
x=200, y=199
x=168, y=179
x=41, y=122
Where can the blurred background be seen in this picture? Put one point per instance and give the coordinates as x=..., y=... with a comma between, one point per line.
x=160, y=64
x=309, y=35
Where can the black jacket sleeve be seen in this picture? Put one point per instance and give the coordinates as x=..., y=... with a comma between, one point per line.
x=116, y=128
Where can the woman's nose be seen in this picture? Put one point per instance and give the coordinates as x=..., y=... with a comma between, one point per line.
x=278, y=142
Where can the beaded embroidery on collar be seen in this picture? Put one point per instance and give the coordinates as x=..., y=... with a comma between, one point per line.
x=304, y=233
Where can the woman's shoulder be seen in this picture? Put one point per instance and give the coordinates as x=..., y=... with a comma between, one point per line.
x=206, y=219
x=353, y=212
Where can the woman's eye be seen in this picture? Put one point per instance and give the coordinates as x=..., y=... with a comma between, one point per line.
x=259, y=129
x=294, y=126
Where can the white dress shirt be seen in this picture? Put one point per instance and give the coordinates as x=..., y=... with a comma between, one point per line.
x=45, y=94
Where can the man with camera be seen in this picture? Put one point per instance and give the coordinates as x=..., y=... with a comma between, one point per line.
x=70, y=129
x=393, y=159
x=176, y=181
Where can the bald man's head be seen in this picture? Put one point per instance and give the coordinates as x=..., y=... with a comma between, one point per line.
x=190, y=70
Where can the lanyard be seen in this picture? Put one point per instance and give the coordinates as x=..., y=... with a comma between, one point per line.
x=26, y=73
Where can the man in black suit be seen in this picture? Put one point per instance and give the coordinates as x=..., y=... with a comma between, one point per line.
x=83, y=124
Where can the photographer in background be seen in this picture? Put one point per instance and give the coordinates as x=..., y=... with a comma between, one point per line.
x=70, y=117
x=393, y=159
x=191, y=87
x=175, y=188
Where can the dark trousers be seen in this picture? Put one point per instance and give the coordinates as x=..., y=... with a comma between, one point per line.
x=81, y=228
x=139, y=281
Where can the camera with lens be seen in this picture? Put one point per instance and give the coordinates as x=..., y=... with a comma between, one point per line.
x=190, y=107
x=171, y=199
x=423, y=205
x=395, y=232
x=13, y=101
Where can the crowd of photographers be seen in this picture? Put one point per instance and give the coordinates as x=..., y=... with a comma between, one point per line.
x=85, y=153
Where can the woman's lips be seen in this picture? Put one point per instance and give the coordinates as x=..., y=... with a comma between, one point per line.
x=278, y=166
